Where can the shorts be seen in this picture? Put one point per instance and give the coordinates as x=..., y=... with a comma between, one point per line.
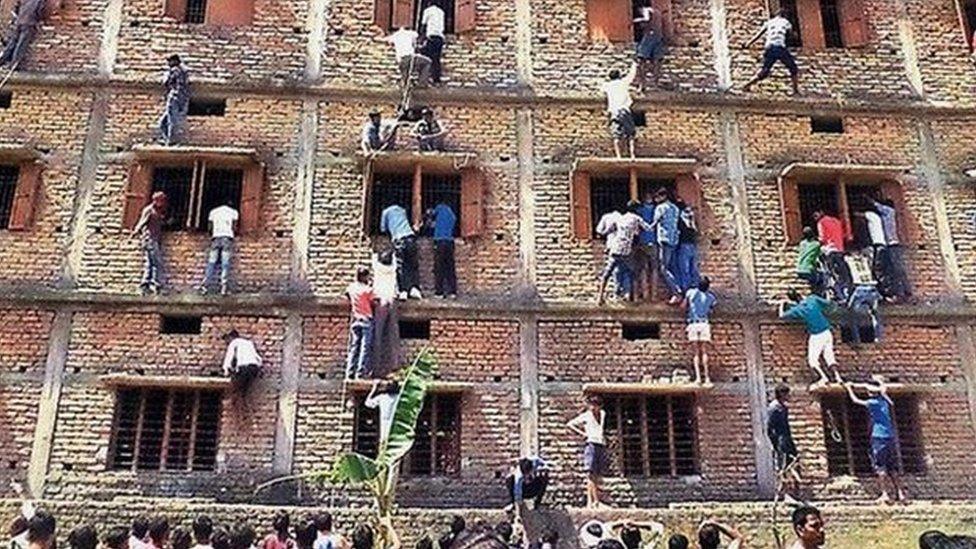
x=781, y=54
x=622, y=124
x=650, y=47
x=784, y=456
x=884, y=456
x=821, y=344
x=595, y=459
x=699, y=331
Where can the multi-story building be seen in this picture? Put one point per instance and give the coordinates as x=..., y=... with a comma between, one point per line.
x=106, y=393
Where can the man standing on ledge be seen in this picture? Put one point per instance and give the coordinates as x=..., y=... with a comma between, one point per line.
x=395, y=222
x=622, y=127
x=177, y=85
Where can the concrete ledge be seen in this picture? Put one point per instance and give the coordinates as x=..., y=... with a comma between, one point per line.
x=177, y=382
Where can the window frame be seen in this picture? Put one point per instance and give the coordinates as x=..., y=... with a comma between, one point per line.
x=196, y=219
x=644, y=400
x=27, y=189
x=217, y=13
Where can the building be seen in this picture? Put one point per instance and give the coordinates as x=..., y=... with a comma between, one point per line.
x=106, y=393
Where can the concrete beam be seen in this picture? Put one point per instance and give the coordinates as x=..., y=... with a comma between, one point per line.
x=967, y=358
x=720, y=44
x=291, y=360
x=935, y=183
x=108, y=52
x=529, y=390
x=526, y=196
x=302, y=198
x=47, y=410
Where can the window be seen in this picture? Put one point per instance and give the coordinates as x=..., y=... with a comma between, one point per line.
x=842, y=201
x=459, y=15
x=613, y=20
x=196, y=11
x=19, y=186
x=8, y=186
x=169, y=324
x=652, y=435
x=6, y=99
x=826, y=124
x=829, y=23
x=437, y=447
x=207, y=107
x=594, y=196
x=968, y=17
x=414, y=329
x=210, y=12
x=640, y=331
x=609, y=194
x=794, y=39
x=165, y=429
x=849, y=422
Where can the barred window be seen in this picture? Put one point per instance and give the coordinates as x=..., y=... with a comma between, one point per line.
x=193, y=191
x=196, y=11
x=652, y=435
x=842, y=200
x=609, y=194
x=158, y=429
x=8, y=188
x=398, y=188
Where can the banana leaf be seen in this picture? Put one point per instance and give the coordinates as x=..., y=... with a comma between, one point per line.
x=354, y=469
x=409, y=404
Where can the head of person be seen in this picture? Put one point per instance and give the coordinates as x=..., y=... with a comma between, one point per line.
x=159, y=199
x=818, y=215
x=174, y=60
x=782, y=392
x=180, y=538
x=808, y=526
x=140, y=527
x=661, y=196
x=503, y=531
x=458, y=524
x=681, y=204
x=704, y=284
x=648, y=197
x=427, y=113
x=375, y=117
x=17, y=526
x=228, y=337
x=425, y=543
x=385, y=257
x=392, y=387
x=83, y=537
x=709, y=537
x=526, y=466
x=159, y=531
x=280, y=523
x=794, y=296
x=614, y=74
x=242, y=537
x=809, y=233
x=362, y=537
x=323, y=522
x=549, y=538
x=934, y=539
x=782, y=11
x=220, y=539
x=362, y=275
x=40, y=530
x=594, y=403
x=630, y=537
x=633, y=206
x=592, y=535
x=305, y=533
x=117, y=538
x=203, y=525
x=609, y=544
x=678, y=541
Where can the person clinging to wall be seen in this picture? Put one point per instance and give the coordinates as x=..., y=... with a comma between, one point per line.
x=176, y=86
x=242, y=363
x=409, y=62
x=442, y=221
x=385, y=356
x=27, y=17
x=223, y=225
x=832, y=235
x=621, y=232
x=812, y=310
x=898, y=288
x=786, y=458
x=686, y=268
x=590, y=425
x=429, y=132
x=650, y=48
x=665, y=223
x=149, y=229
x=395, y=222
x=432, y=28
x=361, y=302
x=884, y=446
x=698, y=304
x=377, y=134
x=776, y=30
x=808, y=260
x=623, y=130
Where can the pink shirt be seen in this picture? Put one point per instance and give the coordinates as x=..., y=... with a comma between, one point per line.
x=361, y=298
x=831, y=232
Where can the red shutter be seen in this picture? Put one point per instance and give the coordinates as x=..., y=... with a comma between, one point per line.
x=175, y=9
x=382, y=13
x=909, y=231
x=472, y=202
x=663, y=22
x=25, y=196
x=580, y=206
x=251, y=198
x=811, y=24
x=853, y=23
x=137, y=195
x=230, y=13
x=367, y=194
x=688, y=187
x=464, y=15
x=789, y=195
x=610, y=20
x=403, y=14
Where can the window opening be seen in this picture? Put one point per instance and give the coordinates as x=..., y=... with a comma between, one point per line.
x=8, y=189
x=640, y=331
x=169, y=324
x=196, y=11
x=655, y=435
x=389, y=189
x=829, y=14
x=437, y=188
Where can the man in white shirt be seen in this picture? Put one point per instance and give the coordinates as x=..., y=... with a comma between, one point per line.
x=776, y=30
x=879, y=247
x=622, y=127
x=223, y=222
x=242, y=363
x=432, y=26
x=409, y=61
x=383, y=397
x=589, y=425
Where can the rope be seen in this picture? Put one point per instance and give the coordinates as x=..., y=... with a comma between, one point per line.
x=834, y=431
x=9, y=74
x=780, y=483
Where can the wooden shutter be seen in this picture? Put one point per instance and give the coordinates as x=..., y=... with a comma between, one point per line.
x=688, y=187
x=25, y=196
x=610, y=20
x=854, y=27
x=580, y=205
x=367, y=201
x=909, y=231
x=403, y=14
x=811, y=24
x=137, y=195
x=464, y=15
x=251, y=198
x=663, y=22
x=382, y=13
x=789, y=196
x=472, y=202
x=175, y=9
x=230, y=13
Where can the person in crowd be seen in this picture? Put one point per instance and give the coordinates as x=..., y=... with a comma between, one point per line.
x=180, y=538
x=686, y=257
x=710, y=535
x=223, y=226
x=326, y=538
x=808, y=260
x=776, y=31
x=139, y=533
x=149, y=229
x=884, y=446
x=443, y=221
x=811, y=310
x=934, y=539
x=306, y=534
x=621, y=232
x=698, y=304
x=159, y=532
x=221, y=538
x=377, y=134
x=383, y=397
x=614, y=266
x=409, y=62
x=27, y=18
x=362, y=537
x=176, y=84
x=17, y=532
x=548, y=539
x=666, y=215
x=678, y=541
x=242, y=536
x=242, y=363
x=41, y=530
x=428, y=132
x=622, y=127
x=589, y=425
x=385, y=356
x=361, y=301
x=863, y=312
x=395, y=222
x=117, y=538
x=280, y=538
x=831, y=233
x=631, y=533
x=432, y=27
x=86, y=537
x=528, y=480
x=592, y=532
x=203, y=530
x=879, y=246
x=786, y=458
x=650, y=49
x=645, y=257
x=808, y=525
x=456, y=529
x=899, y=288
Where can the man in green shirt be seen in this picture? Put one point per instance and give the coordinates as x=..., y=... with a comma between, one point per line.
x=808, y=259
x=812, y=312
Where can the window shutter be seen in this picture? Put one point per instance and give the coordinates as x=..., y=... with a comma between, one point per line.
x=25, y=196
x=464, y=15
x=908, y=229
x=403, y=13
x=610, y=20
x=251, y=198
x=175, y=9
x=688, y=187
x=382, y=13
x=367, y=201
x=137, y=196
x=789, y=195
x=580, y=204
x=230, y=13
x=663, y=21
x=811, y=24
x=472, y=202
x=853, y=23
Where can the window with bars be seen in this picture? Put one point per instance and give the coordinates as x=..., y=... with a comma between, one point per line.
x=196, y=11
x=231, y=13
x=8, y=189
x=399, y=188
x=822, y=24
x=192, y=192
x=847, y=434
x=437, y=189
x=827, y=197
x=652, y=435
x=833, y=35
x=159, y=429
x=793, y=39
x=609, y=194
x=437, y=447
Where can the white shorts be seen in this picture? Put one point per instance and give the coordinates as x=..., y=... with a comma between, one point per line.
x=699, y=331
x=821, y=344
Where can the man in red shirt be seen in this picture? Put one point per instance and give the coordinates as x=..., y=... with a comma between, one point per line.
x=832, y=235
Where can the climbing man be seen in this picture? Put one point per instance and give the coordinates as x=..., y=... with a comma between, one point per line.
x=223, y=225
x=811, y=310
x=650, y=49
x=428, y=132
x=622, y=127
x=409, y=61
x=432, y=26
x=698, y=303
x=832, y=235
x=884, y=448
x=150, y=231
x=242, y=363
x=394, y=221
x=377, y=134
x=177, y=92
x=776, y=31
x=28, y=16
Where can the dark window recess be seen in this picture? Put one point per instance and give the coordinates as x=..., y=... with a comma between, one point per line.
x=636, y=7
x=389, y=189
x=193, y=191
x=414, y=329
x=640, y=119
x=442, y=188
x=826, y=124
x=366, y=429
x=8, y=187
x=446, y=5
x=437, y=448
x=196, y=11
x=220, y=186
x=814, y=197
x=606, y=195
x=648, y=187
x=652, y=435
x=793, y=39
x=969, y=15
x=180, y=324
x=859, y=198
x=866, y=333
x=6, y=98
x=849, y=422
x=165, y=430
x=833, y=36
x=207, y=107
x=639, y=331
x=177, y=183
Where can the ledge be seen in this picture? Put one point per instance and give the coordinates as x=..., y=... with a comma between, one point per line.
x=184, y=152
x=662, y=166
x=894, y=388
x=648, y=388
x=443, y=162
x=804, y=170
x=181, y=382
x=437, y=387
x=19, y=153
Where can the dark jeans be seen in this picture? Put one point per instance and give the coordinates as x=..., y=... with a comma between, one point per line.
x=445, y=273
x=814, y=279
x=433, y=48
x=18, y=40
x=408, y=269
x=243, y=375
x=531, y=489
x=900, y=287
x=841, y=274
x=666, y=254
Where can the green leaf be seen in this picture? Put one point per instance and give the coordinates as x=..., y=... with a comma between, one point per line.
x=354, y=469
x=410, y=402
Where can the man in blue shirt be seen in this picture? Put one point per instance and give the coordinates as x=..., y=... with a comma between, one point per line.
x=645, y=256
x=665, y=224
x=394, y=221
x=884, y=449
x=821, y=342
x=443, y=221
x=699, y=303
x=528, y=480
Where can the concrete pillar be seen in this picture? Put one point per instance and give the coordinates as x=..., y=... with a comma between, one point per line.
x=315, y=27
x=967, y=358
x=526, y=196
x=935, y=182
x=109, y=50
x=720, y=44
x=909, y=48
x=302, y=207
x=523, y=41
x=291, y=360
x=529, y=380
x=47, y=410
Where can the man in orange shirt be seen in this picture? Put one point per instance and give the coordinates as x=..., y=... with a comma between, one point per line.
x=832, y=236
